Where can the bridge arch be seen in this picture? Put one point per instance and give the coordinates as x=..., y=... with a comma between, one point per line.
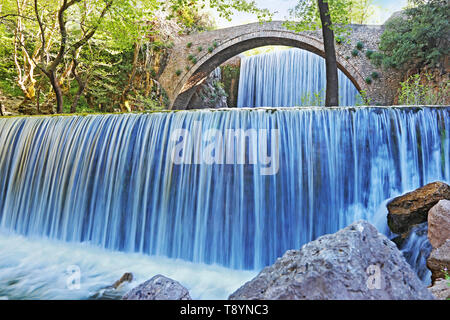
x=232, y=41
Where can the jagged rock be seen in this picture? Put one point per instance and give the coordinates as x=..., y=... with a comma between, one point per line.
x=438, y=261
x=357, y=262
x=412, y=208
x=439, y=223
x=441, y=289
x=210, y=94
x=158, y=288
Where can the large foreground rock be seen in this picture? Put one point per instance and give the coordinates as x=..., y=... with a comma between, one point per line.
x=412, y=208
x=158, y=288
x=438, y=261
x=355, y=263
x=439, y=223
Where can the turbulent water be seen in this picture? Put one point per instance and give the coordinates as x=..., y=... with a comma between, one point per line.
x=286, y=78
x=109, y=182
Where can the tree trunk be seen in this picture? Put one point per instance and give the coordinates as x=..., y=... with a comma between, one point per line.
x=124, y=96
x=58, y=92
x=332, y=92
x=81, y=87
x=2, y=109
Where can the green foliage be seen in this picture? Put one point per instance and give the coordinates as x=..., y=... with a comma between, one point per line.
x=413, y=91
x=210, y=49
x=189, y=44
x=305, y=15
x=362, y=99
x=178, y=72
x=191, y=57
x=375, y=75
x=339, y=39
x=187, y=68
x=199, y=48
x=369, y=54
x=377, y=58
x=108, y=64
x=359, y=45
x=314, y=99
x=368, y=80
x=355, y=52
x=418, y=39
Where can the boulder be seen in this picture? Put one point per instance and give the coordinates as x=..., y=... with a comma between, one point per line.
x=357, y=262
x=439, y=261
x=158, y=288
x=441, y=289
x=439, y=223
x=412, y=208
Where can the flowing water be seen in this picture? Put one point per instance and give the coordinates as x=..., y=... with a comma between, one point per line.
x=286, y=78
x=102, y=191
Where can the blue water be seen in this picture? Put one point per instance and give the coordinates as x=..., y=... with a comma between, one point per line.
x=286, y=78
x=108, y=179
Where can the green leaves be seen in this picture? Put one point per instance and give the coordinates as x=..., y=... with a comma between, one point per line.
x=418, y=39
x=305, y=16
x=416, y=90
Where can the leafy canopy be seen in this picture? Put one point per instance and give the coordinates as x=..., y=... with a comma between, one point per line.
x=418, y=38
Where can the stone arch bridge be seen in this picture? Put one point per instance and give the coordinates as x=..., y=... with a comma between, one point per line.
x=182, y=75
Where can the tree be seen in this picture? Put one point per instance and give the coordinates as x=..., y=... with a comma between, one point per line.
x=419, y=37
x=50, y=68
x=104, y=49
x=332, y=16
x=332, y=92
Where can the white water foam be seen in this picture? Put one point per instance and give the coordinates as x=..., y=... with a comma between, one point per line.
x=33, y=268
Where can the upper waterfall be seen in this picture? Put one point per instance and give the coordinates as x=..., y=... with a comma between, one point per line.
x=286, y=78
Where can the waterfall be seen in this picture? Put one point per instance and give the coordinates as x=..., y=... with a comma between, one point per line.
x=109, y=180
x=286, y=78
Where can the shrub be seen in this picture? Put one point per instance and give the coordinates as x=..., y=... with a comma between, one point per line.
x=178, y=72
x=189, y=44
x=369, y=54
x=199, y=48
x=210, y=49
x=359, y=45
x=355, y=52
x=215, y=44
x=368, y=80
x=418, y=38
x=191, y=57
x=375, y=75
x=413, y=92
x=377, y=58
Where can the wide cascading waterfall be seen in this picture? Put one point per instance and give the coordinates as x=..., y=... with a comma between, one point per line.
x=110, y=180
x=286, y=78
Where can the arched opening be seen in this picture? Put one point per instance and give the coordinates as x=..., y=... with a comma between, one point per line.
x=187, y=86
